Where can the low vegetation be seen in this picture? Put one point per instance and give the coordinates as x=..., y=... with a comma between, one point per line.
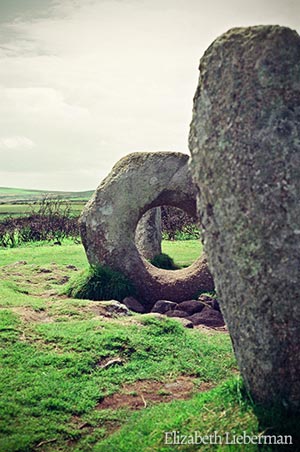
x=100, y=283
x=178, y=225
x=51, y=217
x=48, y=220
x=164, y=261
x=37, y=228
x=75, y=377
x=65, y=359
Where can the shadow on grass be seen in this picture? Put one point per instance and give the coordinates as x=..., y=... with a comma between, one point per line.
x=280, y=426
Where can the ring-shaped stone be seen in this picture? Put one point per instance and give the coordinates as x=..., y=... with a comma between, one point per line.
x=137, y=183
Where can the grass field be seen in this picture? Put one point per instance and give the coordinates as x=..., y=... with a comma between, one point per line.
x=19, y=209
x=183, y=252
x=75, y=378
x=18, y=202
x=19, y=194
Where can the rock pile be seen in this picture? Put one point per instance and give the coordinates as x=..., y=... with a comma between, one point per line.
x=203, y=311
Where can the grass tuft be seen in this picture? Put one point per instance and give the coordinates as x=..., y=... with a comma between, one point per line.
x=164, y=261
x=100, y=283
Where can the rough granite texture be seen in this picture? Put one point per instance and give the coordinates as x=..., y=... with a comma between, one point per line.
x=245, y=146
x=148, y=234
x=137, y=183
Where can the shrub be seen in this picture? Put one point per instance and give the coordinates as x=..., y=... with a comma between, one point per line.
x=211, y=294
x=49, y=219
x=100, y=283
x=178, y=225
x=34, y=228
x=164, y=261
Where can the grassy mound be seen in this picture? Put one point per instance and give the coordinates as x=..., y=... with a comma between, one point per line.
x=65, y=367
x=100, y=283
x=54, y=376
x=164, y=261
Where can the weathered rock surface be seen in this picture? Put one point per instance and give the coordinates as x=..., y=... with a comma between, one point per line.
x=148, y=234
x=177, y=313
x=185, y=322
x=134, y=305
x=116, y=308
x=209, y=301
x=195, y=311
x=190, y=306
x=245, y=146
x=208, y=317
x=162, y=306
x=136, y=184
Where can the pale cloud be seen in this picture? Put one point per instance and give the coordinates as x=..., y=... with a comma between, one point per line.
x=15, y=143
x=89, y=81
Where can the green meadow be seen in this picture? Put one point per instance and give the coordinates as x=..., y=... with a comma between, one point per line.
x=20, y=209
x=17, y=202
x=75, y=378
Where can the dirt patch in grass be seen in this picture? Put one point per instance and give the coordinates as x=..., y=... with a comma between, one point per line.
x=46, y=282
x=137, y=396
x=37, y=280
x=54, y=310
x=30, y=315
x=143, y=393
x=211, y=329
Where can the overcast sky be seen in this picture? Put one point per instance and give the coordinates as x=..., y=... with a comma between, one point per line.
x=85, y=82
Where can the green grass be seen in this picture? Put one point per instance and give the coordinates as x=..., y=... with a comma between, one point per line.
x=19, y=209
x=43, y=254
x=15, y=201
x=146, y=432
x=19, y=194
x=182, y=252
x=52, y=350
x=54, y=375
x=225, y=409
x=52, y=380
x=99, y=282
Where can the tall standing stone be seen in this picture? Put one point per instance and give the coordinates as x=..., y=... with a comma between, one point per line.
x=148, y=233
x=245, y=146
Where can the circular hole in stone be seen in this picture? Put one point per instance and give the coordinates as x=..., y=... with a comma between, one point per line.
x=168, y=232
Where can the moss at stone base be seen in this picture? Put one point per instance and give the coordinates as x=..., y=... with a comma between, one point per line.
x=100, y=283
x=164, y=261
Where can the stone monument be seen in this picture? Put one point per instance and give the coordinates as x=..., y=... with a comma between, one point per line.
x=148, y=234
x=245, y=146
x=136, y=184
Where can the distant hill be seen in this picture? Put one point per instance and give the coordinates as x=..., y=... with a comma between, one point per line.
x=20, y=195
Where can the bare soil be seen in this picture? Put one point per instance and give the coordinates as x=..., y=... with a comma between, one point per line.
x=143, y=393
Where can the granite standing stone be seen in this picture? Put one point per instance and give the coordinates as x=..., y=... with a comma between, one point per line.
x=245, y=146
x=136, y=184
x=148, y=233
